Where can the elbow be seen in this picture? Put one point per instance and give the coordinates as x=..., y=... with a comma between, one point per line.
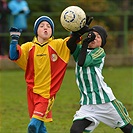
x=80, y=63
x=13, y=56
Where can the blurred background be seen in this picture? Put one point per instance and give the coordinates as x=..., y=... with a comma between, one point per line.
x=115, y=15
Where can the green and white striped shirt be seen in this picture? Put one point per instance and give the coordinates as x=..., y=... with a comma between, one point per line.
x=93, y=89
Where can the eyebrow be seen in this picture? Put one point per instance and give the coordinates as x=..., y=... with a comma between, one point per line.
x=45, y=24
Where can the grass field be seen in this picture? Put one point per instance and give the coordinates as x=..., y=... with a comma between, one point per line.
x=13, y=104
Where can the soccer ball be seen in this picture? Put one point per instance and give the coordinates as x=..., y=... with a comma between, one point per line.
x=73, y=18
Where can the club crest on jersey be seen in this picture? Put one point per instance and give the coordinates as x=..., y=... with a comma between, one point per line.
x=54, y=57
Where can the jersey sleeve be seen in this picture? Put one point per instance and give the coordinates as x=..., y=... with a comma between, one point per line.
x=13, y=53
x=23, y=55
x=60, y=46
x=94, y=57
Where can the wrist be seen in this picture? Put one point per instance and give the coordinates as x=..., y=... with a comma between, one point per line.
x=14, y=42
x=76, y=34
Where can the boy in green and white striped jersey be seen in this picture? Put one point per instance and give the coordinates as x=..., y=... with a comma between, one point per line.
x=98, y=103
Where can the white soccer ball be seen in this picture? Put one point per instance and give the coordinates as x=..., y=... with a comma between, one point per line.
x=73, y=18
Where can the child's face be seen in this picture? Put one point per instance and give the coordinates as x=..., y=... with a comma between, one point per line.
x=44, y=31
x=97, y=42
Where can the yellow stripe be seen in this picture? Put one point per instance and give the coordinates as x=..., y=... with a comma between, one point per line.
x=121, y=109
x=98, y=53
x=43, y=119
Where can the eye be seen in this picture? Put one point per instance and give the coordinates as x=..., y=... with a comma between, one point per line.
x=41, y=25
x=98, y=36
x=48, y=25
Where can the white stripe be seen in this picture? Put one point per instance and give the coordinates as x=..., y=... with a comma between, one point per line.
x=76, y=71
x=91, y=85
x=104, y=86
x=82, y=80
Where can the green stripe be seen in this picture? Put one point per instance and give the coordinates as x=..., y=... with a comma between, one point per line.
x=87, y=131
x=122, y=111
x=106, y=98
x=81, y=87
x=87, y=85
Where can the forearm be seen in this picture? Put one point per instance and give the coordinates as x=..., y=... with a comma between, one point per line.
x=83, y=52
x=72, y=43
x=82, y=55
x=13, y=53
x=14, y=33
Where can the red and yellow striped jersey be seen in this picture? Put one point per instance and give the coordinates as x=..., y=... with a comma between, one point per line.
x=44, y=65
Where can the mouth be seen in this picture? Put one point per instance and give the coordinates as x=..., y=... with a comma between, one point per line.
x=45, y=32
x=92, y=42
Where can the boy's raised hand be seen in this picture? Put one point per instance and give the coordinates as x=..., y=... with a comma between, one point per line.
x=86, y=28
x=15, y=33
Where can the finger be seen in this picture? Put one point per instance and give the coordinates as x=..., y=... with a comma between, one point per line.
x=89, y=21
x=87, y=18
x=13, y=29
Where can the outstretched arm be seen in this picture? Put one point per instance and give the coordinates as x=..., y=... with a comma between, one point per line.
x=76, y=36
x=15, y=34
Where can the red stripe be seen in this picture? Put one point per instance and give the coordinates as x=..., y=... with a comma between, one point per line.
x=58, y=69
x=29, y=75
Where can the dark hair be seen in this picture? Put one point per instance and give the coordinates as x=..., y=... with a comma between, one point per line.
x=102, y=32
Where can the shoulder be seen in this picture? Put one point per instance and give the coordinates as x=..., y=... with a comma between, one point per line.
x=13, y=2
x=24, y=2
x=28, y=44
x=98, y=52
x=60, y=40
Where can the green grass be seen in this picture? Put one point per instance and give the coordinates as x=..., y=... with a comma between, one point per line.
x=13, y=103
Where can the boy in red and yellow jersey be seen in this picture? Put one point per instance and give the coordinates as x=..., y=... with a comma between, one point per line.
x=44, y=61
